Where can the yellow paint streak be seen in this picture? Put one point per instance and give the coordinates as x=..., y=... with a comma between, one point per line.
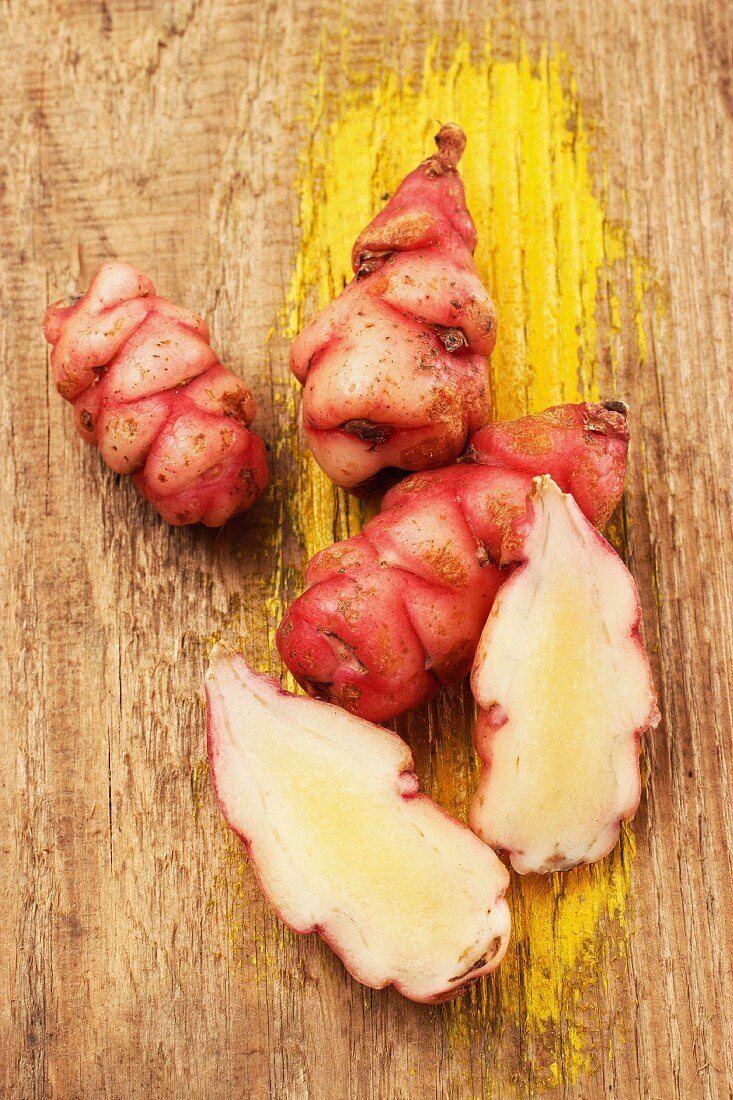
x=559, y=272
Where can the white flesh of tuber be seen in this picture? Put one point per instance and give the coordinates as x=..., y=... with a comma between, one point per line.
x=565, y=691
x=344, y=843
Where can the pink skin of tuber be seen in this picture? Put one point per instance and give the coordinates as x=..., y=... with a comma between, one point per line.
x=344, y=843
x=395, y=369
x=150, y=392
x=565, y=692
x=395, y=612
x=550, y=443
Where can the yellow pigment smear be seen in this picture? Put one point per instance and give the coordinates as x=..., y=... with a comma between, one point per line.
x=563, y=280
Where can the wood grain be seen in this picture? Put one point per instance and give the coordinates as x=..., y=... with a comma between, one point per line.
x=168, y=134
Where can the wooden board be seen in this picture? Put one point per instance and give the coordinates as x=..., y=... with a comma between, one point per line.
x=138, y=957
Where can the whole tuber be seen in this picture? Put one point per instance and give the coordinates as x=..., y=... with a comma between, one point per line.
x=565, y=692
x=343, y=842
x=395, y=369
x=396, y=611
x=150, y=392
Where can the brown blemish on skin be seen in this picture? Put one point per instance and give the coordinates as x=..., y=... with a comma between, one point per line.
x=387, y=660
x=494, y=947
x=610, y=418
x=447, y=566
x=116, y=328
x=349, y=697
x=369, y=262
x=482, y=313
x=403, y=232
x=338, y=556
x=198, y=443
x=86, y=420
x=445, y=405
x=378, y=287
x=532, y=437
x=482, y=554
x=451, y=338
x=502, y=510
x=366, y=430
x=474, y=966
x=349, y=612
x=415, y=484
x=237, y=404
x=491, y=952
x=586, y=469
x=559, y=416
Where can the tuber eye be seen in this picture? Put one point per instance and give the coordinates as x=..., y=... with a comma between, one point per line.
x=366, y=430
x=452, y=338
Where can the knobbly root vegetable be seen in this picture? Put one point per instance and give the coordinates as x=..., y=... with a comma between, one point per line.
x=565, y=691
x=343, y=842
x=582, y=447
x=395, y=369
x=151, y=393
x=396, y=611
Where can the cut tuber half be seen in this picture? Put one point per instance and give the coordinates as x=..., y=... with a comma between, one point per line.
x=343, y=842
x=565, y=691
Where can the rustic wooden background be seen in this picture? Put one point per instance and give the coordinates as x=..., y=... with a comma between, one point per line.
x=123, y=973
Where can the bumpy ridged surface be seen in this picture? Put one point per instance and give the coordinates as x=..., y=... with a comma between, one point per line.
x=395, y=369
x=396, y=611
x=150, y=392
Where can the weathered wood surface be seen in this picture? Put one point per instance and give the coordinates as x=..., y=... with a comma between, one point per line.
x=137, y=957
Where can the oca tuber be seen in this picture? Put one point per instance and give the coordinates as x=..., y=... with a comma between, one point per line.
x=396, y=611
x=565, y=692
x=343, y=842
x=395, y=369
x=148, y=389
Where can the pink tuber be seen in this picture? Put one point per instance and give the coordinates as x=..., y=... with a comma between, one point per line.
x=148, y=389
x=394, y=612
x=395, y=369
